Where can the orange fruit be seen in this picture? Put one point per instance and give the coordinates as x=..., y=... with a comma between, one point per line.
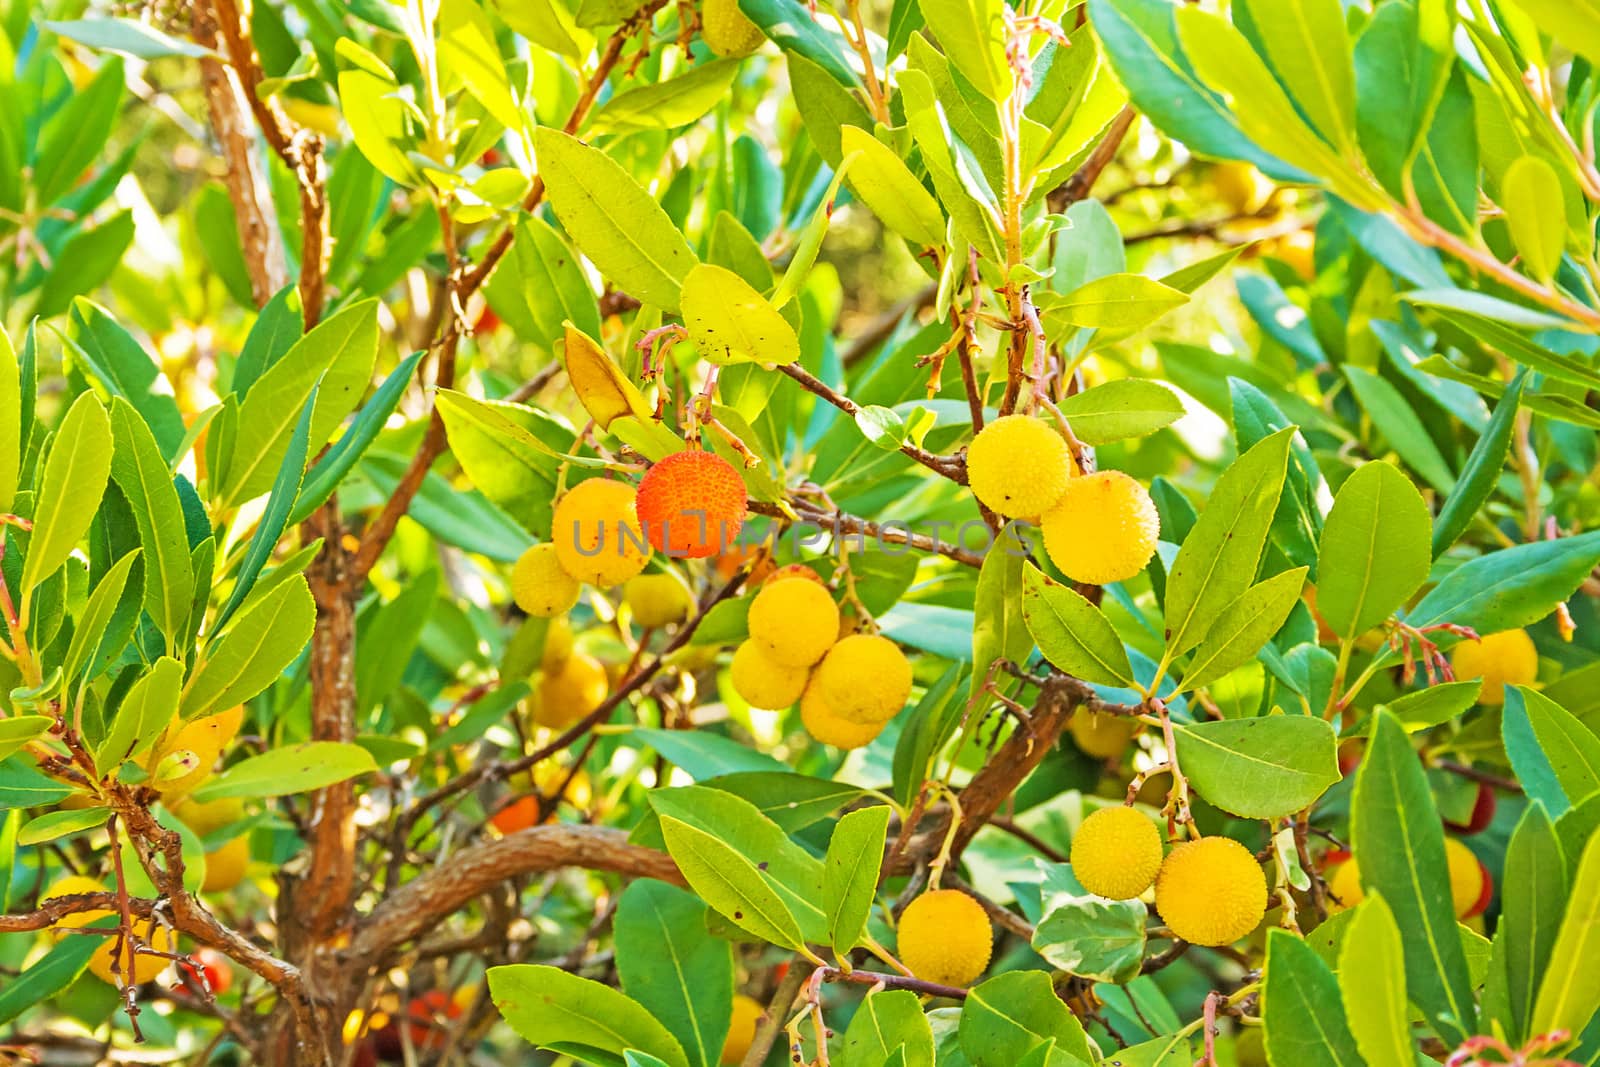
x=692, y=504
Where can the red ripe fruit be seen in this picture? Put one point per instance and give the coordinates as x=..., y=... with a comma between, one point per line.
x=692, y=504
x=1484, y=895
x=430, y=1017
x=213, y=966
x=1482, y=813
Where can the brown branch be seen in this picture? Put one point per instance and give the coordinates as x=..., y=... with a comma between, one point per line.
x=777, y=1013
x=1081, y=184
x=952, y=467
x=419, y=905
x=52, y=911
x=843, y=523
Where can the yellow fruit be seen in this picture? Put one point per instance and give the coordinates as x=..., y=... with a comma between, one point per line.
x=747, y=1012
x=1116, y=853
x=557, y=643
x=1467, y=879
x=865, y=678
x=1211, y=891
x=548, y=776
x=205, y=738
x=1298, y=249
x=726, y=30
x=1502, y=659
x=225, y=866
x=142, y=968
x=540, y=586
x=794, y=621
x=1102, y=736
x=1103, y=529
x=1241, y=187
x=1018, y=466
x=569, y=692
x=763, y=683
x=657, y=600
x=945, y=937
x=209, y=817
x=597, y=533
x=831, y=728
x=1344, y=886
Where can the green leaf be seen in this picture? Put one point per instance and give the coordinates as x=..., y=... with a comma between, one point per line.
x=1073, y=634
x=17, y=730
x=555, y=1010
x=1399, y=844
x=540, y=286
x=668, y=104
x=999, y=627
x=1121, y=302
x=1226, y=62
x=731, y=884
x=889, y=1021
x=1429, y=707
x=729, y=322
x=1121, y=409
x=1533, y=898
x=54, y=971
x=335, y=359
x=10, y=421
x=76, y=133
x=1086, y=935
x=673, y=967
x=1375, y=550
x=1259, y=768
x=790, y=26
x=69, y=491
x=850, y=874
x=887, y=186
x=544, y=22
x=340, y=458
x=1511, y=587
x=94, y=622
x=705, y=755
x=146, y=710
x=1556, y=757
x=1372, y=980
x=973, y=33
x=1569, y=996
x=613, y=221
x=1531, y=197
x=264, y=639
x=1244, y=627
x=142, y=475
x=931, y=724
x=1575, y=23
x=371, y=102
x=1298, y=988
x=1006, y=1017
x=467, y=48
x=1398, y=422
x=277, y=327
x=1480, y=324
x=128, y=36
x=505, y=459
x=56, y=824
x=1305, y=42
x=1218, y=559
x=289, y=770
x=1482, y=470
x=825, y=107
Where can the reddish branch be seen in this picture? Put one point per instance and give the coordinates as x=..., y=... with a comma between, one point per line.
x=951, y=467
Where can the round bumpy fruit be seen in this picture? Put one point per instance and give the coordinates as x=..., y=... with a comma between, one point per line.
x=1018, y=466
x=763, y=683
x=597, y=534
x=657, y=600
x=831, y=728
x=793, y=570
x=726, y=30
x=1211, y=891
x=1102, y=736
x=1116, y=853
x=1103, y=529
x=136, y=968
x=569, y=692
x=205, y=739
x=540, y=585
x=865, y=678
x=1500, y=659
x=747, y=1012
x=794, y=621
x=692, y=504
x=945, y=937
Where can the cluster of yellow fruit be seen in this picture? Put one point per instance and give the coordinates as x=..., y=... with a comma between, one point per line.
x=1471, y=886
x=1098, y=528
x=848, y=687
x=108, y=963
x=1209, y=891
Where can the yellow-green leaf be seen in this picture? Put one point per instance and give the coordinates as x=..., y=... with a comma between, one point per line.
x=69, y=490
x=730, y=322
x=1530, y=195
x=1372, y=981
x=887, y=186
